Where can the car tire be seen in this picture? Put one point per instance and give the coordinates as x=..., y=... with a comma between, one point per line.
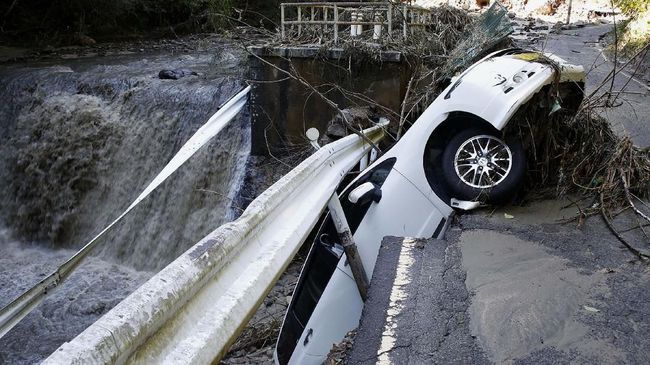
x=478, y=165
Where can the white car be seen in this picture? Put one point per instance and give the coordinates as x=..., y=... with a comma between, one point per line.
x=454, y=156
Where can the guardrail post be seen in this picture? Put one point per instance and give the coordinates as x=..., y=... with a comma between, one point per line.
x=336, y=24
x=325, y=16
x=341, y=224
x=282, y=19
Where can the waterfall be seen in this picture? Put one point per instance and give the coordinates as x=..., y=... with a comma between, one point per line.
x=78, y=142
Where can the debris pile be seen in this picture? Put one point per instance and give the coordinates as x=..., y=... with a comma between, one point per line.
x=580, y=154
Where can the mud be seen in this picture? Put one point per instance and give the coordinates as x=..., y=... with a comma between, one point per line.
x=525, y=299
x=544, y=291
x=516, y=289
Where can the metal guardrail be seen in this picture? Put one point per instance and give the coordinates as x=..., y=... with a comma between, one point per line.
x=374, y=20
x=192, y=311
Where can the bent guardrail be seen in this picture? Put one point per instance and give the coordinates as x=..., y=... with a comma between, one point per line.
x=191, y=311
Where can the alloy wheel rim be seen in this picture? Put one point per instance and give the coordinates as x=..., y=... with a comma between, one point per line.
x=483, y=161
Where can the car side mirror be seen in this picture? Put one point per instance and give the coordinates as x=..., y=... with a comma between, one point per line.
x=364, y=193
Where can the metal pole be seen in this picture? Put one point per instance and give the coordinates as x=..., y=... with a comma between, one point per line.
x=568, y=14
x=341, y=224
x=282, y=19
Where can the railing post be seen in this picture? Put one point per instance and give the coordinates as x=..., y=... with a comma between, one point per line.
x=336, y=24
x=282, y=19
x=376, y=33
x=299, y=20
x=325, y=16
x=390, y=19
x=312, y=26
x=360, y=25
x=404, y=14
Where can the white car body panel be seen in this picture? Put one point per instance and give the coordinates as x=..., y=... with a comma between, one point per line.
x=409, y=207
x=341, y=295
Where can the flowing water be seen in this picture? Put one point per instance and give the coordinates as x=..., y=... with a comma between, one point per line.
x=79, y=141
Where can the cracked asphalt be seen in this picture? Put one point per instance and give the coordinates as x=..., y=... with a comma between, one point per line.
x=509, y=291
x=433, y=322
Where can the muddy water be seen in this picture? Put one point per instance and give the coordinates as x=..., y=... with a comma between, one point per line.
x=97, y=286
x=525, y=299
x=78, y=142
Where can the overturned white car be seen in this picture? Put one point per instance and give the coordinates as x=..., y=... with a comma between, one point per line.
x=454, y=156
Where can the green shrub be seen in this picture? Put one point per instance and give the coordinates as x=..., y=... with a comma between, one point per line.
x=632, y=7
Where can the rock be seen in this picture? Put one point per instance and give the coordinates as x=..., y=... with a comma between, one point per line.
x=175, y=74
x=512, y=15
x=84, y=40
x=356, y=116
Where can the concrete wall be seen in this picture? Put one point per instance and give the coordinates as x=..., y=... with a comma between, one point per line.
x=283, y=109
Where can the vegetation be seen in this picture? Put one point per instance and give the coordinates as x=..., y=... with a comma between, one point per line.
x=61, y=20
x=635, y=32
x=632, y=7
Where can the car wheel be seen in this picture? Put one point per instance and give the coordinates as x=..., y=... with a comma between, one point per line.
x=478, y=165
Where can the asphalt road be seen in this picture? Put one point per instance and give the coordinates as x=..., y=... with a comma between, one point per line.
x=631, y=111
x=515, y=291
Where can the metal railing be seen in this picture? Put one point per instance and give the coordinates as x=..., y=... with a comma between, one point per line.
x=192, y=310
x=372, y=20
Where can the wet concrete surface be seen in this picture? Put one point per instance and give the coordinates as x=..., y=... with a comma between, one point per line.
x=519, y=288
